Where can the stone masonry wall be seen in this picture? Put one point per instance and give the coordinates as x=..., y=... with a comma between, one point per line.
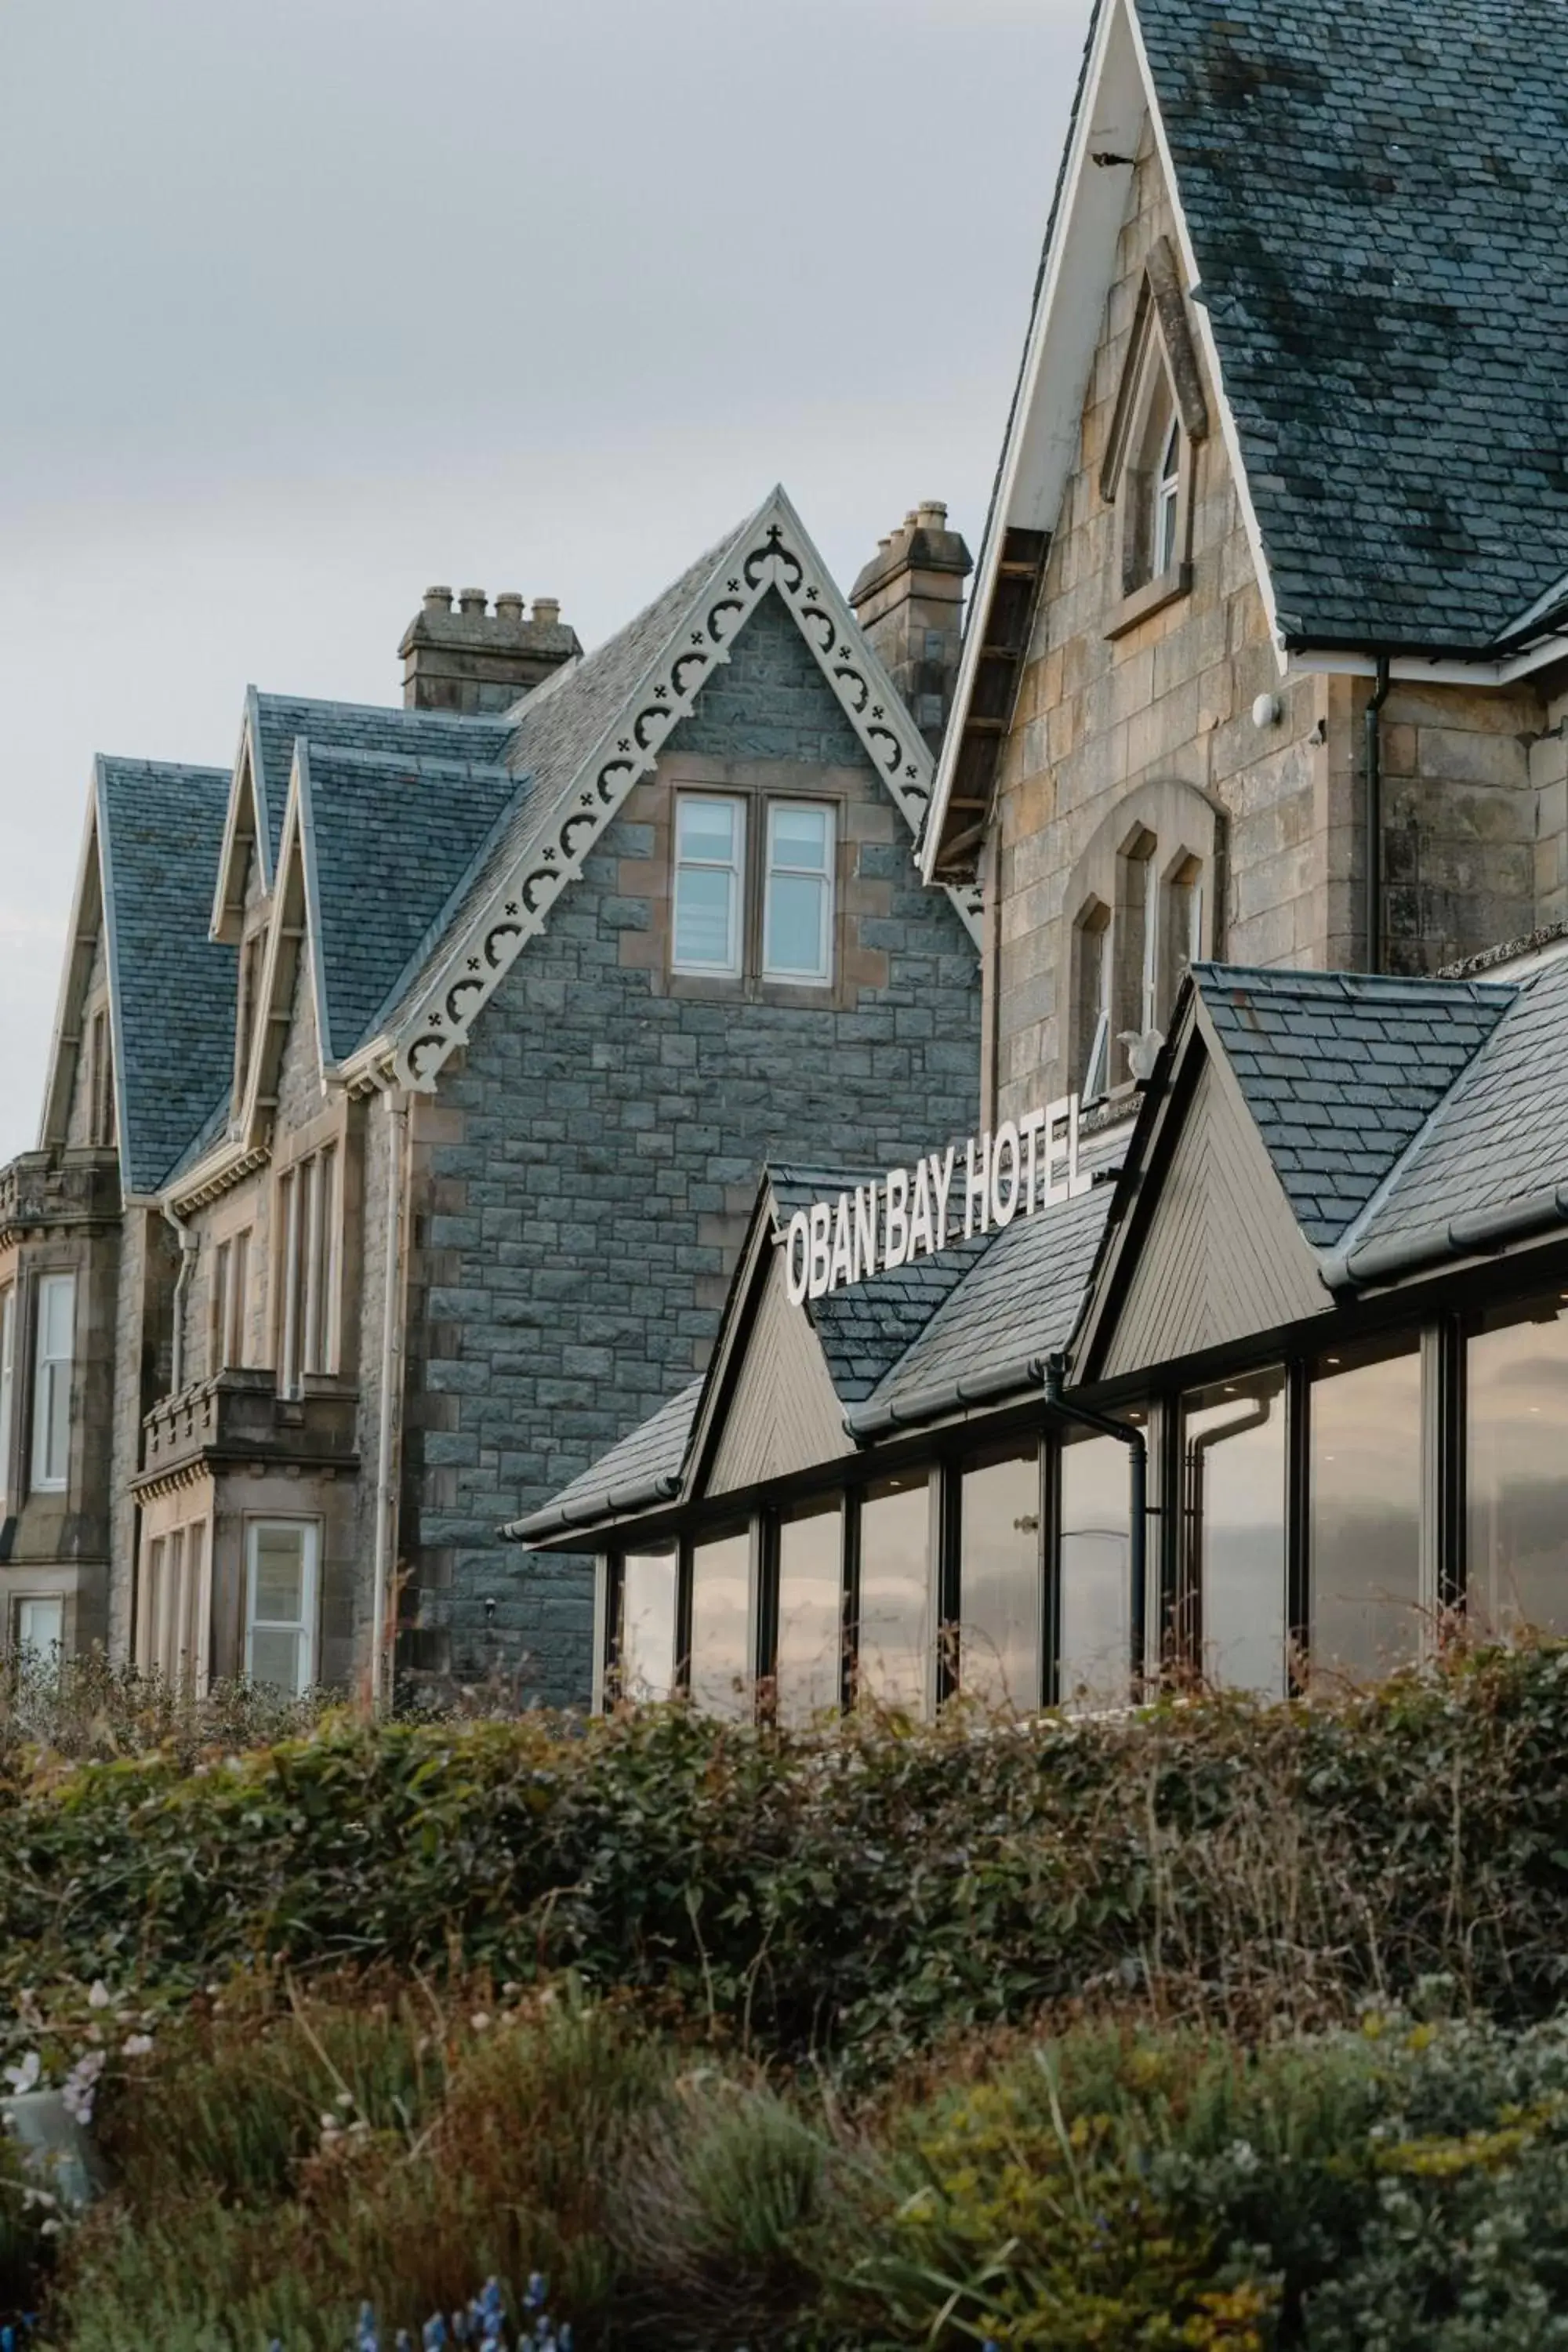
x=581, y=1181
x=1476, y=829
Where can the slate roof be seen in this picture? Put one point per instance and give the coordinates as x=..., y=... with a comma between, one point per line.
x=1497, y=1147
x=1377, y=196
x=370, y=727
x=172, y=988
x=1342, y=1071
x=630, y=1476
x=561, y=726
x=1018, y=1300
x=390, y=838
x=865, y=1329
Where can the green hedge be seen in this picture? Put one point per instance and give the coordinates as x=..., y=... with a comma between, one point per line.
x=860, y=1893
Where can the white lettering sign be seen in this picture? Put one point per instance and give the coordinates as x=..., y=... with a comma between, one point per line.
x=910, y=1212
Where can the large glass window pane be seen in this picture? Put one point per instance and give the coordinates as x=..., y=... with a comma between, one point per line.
x=1517, y=1407
x=1233, y=1439
x=709, y=841
x=797, y=915
x=1000, y=1581
x=1094, y=1598
x=894, y=1650
x=647, y=1645
x=52, y=1381
x=721, y=1625
x=1366, y=1511
x=280, y=1644
x=41, y=1629
x=7, y=1384
x=809, y=1663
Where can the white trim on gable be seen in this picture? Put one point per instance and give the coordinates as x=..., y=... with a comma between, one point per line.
x=82, y=942
x=249, y=783
x=773, y=552
x=1045, y=425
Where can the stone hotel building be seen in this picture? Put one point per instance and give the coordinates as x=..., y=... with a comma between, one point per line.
x=409, y=1090
x=1260, y=760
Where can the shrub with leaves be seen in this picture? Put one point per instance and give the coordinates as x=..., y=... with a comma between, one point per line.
x=855, y=1894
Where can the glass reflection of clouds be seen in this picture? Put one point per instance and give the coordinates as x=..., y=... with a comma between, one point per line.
x=1233, y=1439
x=721, y=1625
x=1094, y=1597
x=1366, y=1512
x=1517, y=1408
x=895, y=1654
x=811, y=1613
x=999, y=1582
x=648, y=1625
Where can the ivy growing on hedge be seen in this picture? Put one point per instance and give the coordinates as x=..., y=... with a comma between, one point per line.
x=860, y=1892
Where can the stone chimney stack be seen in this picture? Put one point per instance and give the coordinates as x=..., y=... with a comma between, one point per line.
x=475, y=660
x=909, y=600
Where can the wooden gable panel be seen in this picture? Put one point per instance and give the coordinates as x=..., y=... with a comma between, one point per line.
x=1221, y=1258
x=784, y=1413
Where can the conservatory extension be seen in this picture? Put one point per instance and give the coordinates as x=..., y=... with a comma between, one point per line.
x=1277, y=1396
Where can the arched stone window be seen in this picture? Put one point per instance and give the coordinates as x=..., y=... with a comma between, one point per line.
x=1146, y=895
x=1149, y=473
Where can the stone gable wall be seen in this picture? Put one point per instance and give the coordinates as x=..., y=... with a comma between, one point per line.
x=1476, y=781
x=582, y=1181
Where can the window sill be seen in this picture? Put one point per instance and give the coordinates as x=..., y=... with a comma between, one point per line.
x=1152, y=597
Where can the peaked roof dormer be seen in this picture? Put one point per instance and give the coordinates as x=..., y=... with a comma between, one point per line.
x=152, y=833
x=1368, y=234
x=590, y=733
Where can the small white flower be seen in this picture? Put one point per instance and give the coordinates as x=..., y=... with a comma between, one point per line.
x=99, y=1996
x=138, y=2045
x=330, y=2127
x=345, y=2098
x=22, y=2077
x=480, y=2021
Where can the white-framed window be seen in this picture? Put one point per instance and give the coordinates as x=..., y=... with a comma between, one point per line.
x=40, y=1628
x=281, y=1565
x=309, y=1218
x=230, y=1302
x=1167, y=496
x=52, y=1382
x=8, y=1387
x=709, y=864
x=1097, y=971
x=174, y=1608
x=797, y=896
x=100, y=1082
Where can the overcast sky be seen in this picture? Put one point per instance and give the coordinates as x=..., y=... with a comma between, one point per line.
x=311, y=303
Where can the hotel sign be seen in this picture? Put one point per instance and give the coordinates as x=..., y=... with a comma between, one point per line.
x=1028, y=1165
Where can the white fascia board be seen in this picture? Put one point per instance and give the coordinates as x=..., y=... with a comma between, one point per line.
x=305, y=820
x=94, y=851
x=1227, y=426
x=1064, y=333
x=245, y=763
x=1437, y=669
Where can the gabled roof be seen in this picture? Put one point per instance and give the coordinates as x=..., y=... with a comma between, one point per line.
x=1017, y=1303
x=1371, y=219
x=903, y=1347
x=1341, y=1071
x=1492, y=1161
x=589, y=734
x=264, y=764
x=388, y=839
x=1376, y=192
x=865, y=1329
x=641, y=1472
x=172, y=989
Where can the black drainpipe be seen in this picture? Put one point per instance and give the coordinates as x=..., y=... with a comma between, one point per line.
x=1374, y=818
x=1053, y=1371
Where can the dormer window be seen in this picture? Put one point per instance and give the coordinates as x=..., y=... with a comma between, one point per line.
x=1149, y=473
x=1167, y=501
